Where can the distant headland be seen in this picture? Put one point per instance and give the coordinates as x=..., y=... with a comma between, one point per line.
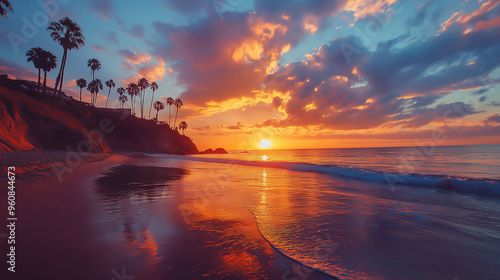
x=32, y=123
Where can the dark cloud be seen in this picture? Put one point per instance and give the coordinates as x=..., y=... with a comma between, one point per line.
x=493, y=119
x=333, y=87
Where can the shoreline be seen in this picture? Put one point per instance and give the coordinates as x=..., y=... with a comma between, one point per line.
x=71, y=216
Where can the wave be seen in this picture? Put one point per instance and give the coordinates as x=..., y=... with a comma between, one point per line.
x=488, y=187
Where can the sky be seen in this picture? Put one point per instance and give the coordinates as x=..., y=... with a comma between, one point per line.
x=300, y=73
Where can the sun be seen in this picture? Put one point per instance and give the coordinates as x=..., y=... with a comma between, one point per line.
x=264, y=144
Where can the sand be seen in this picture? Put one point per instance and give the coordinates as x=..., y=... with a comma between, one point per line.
x=127, y=216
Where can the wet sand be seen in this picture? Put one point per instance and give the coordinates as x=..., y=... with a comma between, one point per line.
x=130, y=216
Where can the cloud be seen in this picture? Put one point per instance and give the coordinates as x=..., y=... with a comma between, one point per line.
x=136, y=57
x=344, y=86
x=364, y=8
x=104, y=8
x=98, y=48
x=153, y=69
x=486, y=17
x=154, y=72
x=220, y=60
x=17, y=71
x=109, y=37
x=493, y=119
x=136, y=31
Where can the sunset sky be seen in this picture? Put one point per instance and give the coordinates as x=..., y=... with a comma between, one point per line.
x=302, y=74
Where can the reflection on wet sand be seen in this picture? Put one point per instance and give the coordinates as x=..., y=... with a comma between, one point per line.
x=220, y=241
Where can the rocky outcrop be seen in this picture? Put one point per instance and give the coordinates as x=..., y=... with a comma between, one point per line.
x=220, y=151
x=27, y=122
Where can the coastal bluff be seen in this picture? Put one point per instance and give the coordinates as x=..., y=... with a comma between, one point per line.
x=31, y=122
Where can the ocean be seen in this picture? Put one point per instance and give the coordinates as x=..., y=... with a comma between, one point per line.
x=371, y=213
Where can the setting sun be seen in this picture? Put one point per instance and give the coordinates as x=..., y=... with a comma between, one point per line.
x=265, y=144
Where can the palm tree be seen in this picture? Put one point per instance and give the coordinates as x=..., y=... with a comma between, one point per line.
x=183, y=125
x=154, y=86
x=132, y=90
x=170, y=102
x=158, y=107
x=4, y=6
x=35, y=55
x=81, y=83
x=49, y=62
x=110, y=84
x=121, y=90
x=69, y=35
x=123, y=98
x=143, y=85
x=94, y=88
x=177, y=104
x=94, y=65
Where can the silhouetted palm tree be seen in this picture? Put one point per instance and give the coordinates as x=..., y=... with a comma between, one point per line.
x=154, y=86
x=177, y=104
x=69, y=35
x=123, y=98
x=4, y=6
x=143, y=85
x=183, y=125
x=121, y=91
x=158, y=107
x=81, y=83
x=94, y=87
x=94, y=65
x=35, y=55
x=170, y=102
x=49, y=62
x=110, y=84
x=132, y=90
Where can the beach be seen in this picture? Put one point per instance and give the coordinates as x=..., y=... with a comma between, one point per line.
x=206, y=217
x=165, y=227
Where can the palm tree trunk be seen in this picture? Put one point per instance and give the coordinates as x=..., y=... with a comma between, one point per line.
x=157, y=115
x=176, y=112
x=108, y=97
x=44, y=81
x=141, y=101
x=62, y=74
x=152, y=106
x=38, y=85
x=57, y=80
x=169, y=106
x=80, y=94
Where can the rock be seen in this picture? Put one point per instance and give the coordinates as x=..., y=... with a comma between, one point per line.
x=217, y=151
x=220, y=151
x=208, y=151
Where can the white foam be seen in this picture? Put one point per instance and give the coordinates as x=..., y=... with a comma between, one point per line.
x=488, y=187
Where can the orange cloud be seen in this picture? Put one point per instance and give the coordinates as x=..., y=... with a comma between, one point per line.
x=249, y=50
x=473, y=19
x=364, y=8
x=153, y=72
x=311, y=24
x=135, y=57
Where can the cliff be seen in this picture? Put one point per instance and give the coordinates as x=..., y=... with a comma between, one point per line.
x=27, y=122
